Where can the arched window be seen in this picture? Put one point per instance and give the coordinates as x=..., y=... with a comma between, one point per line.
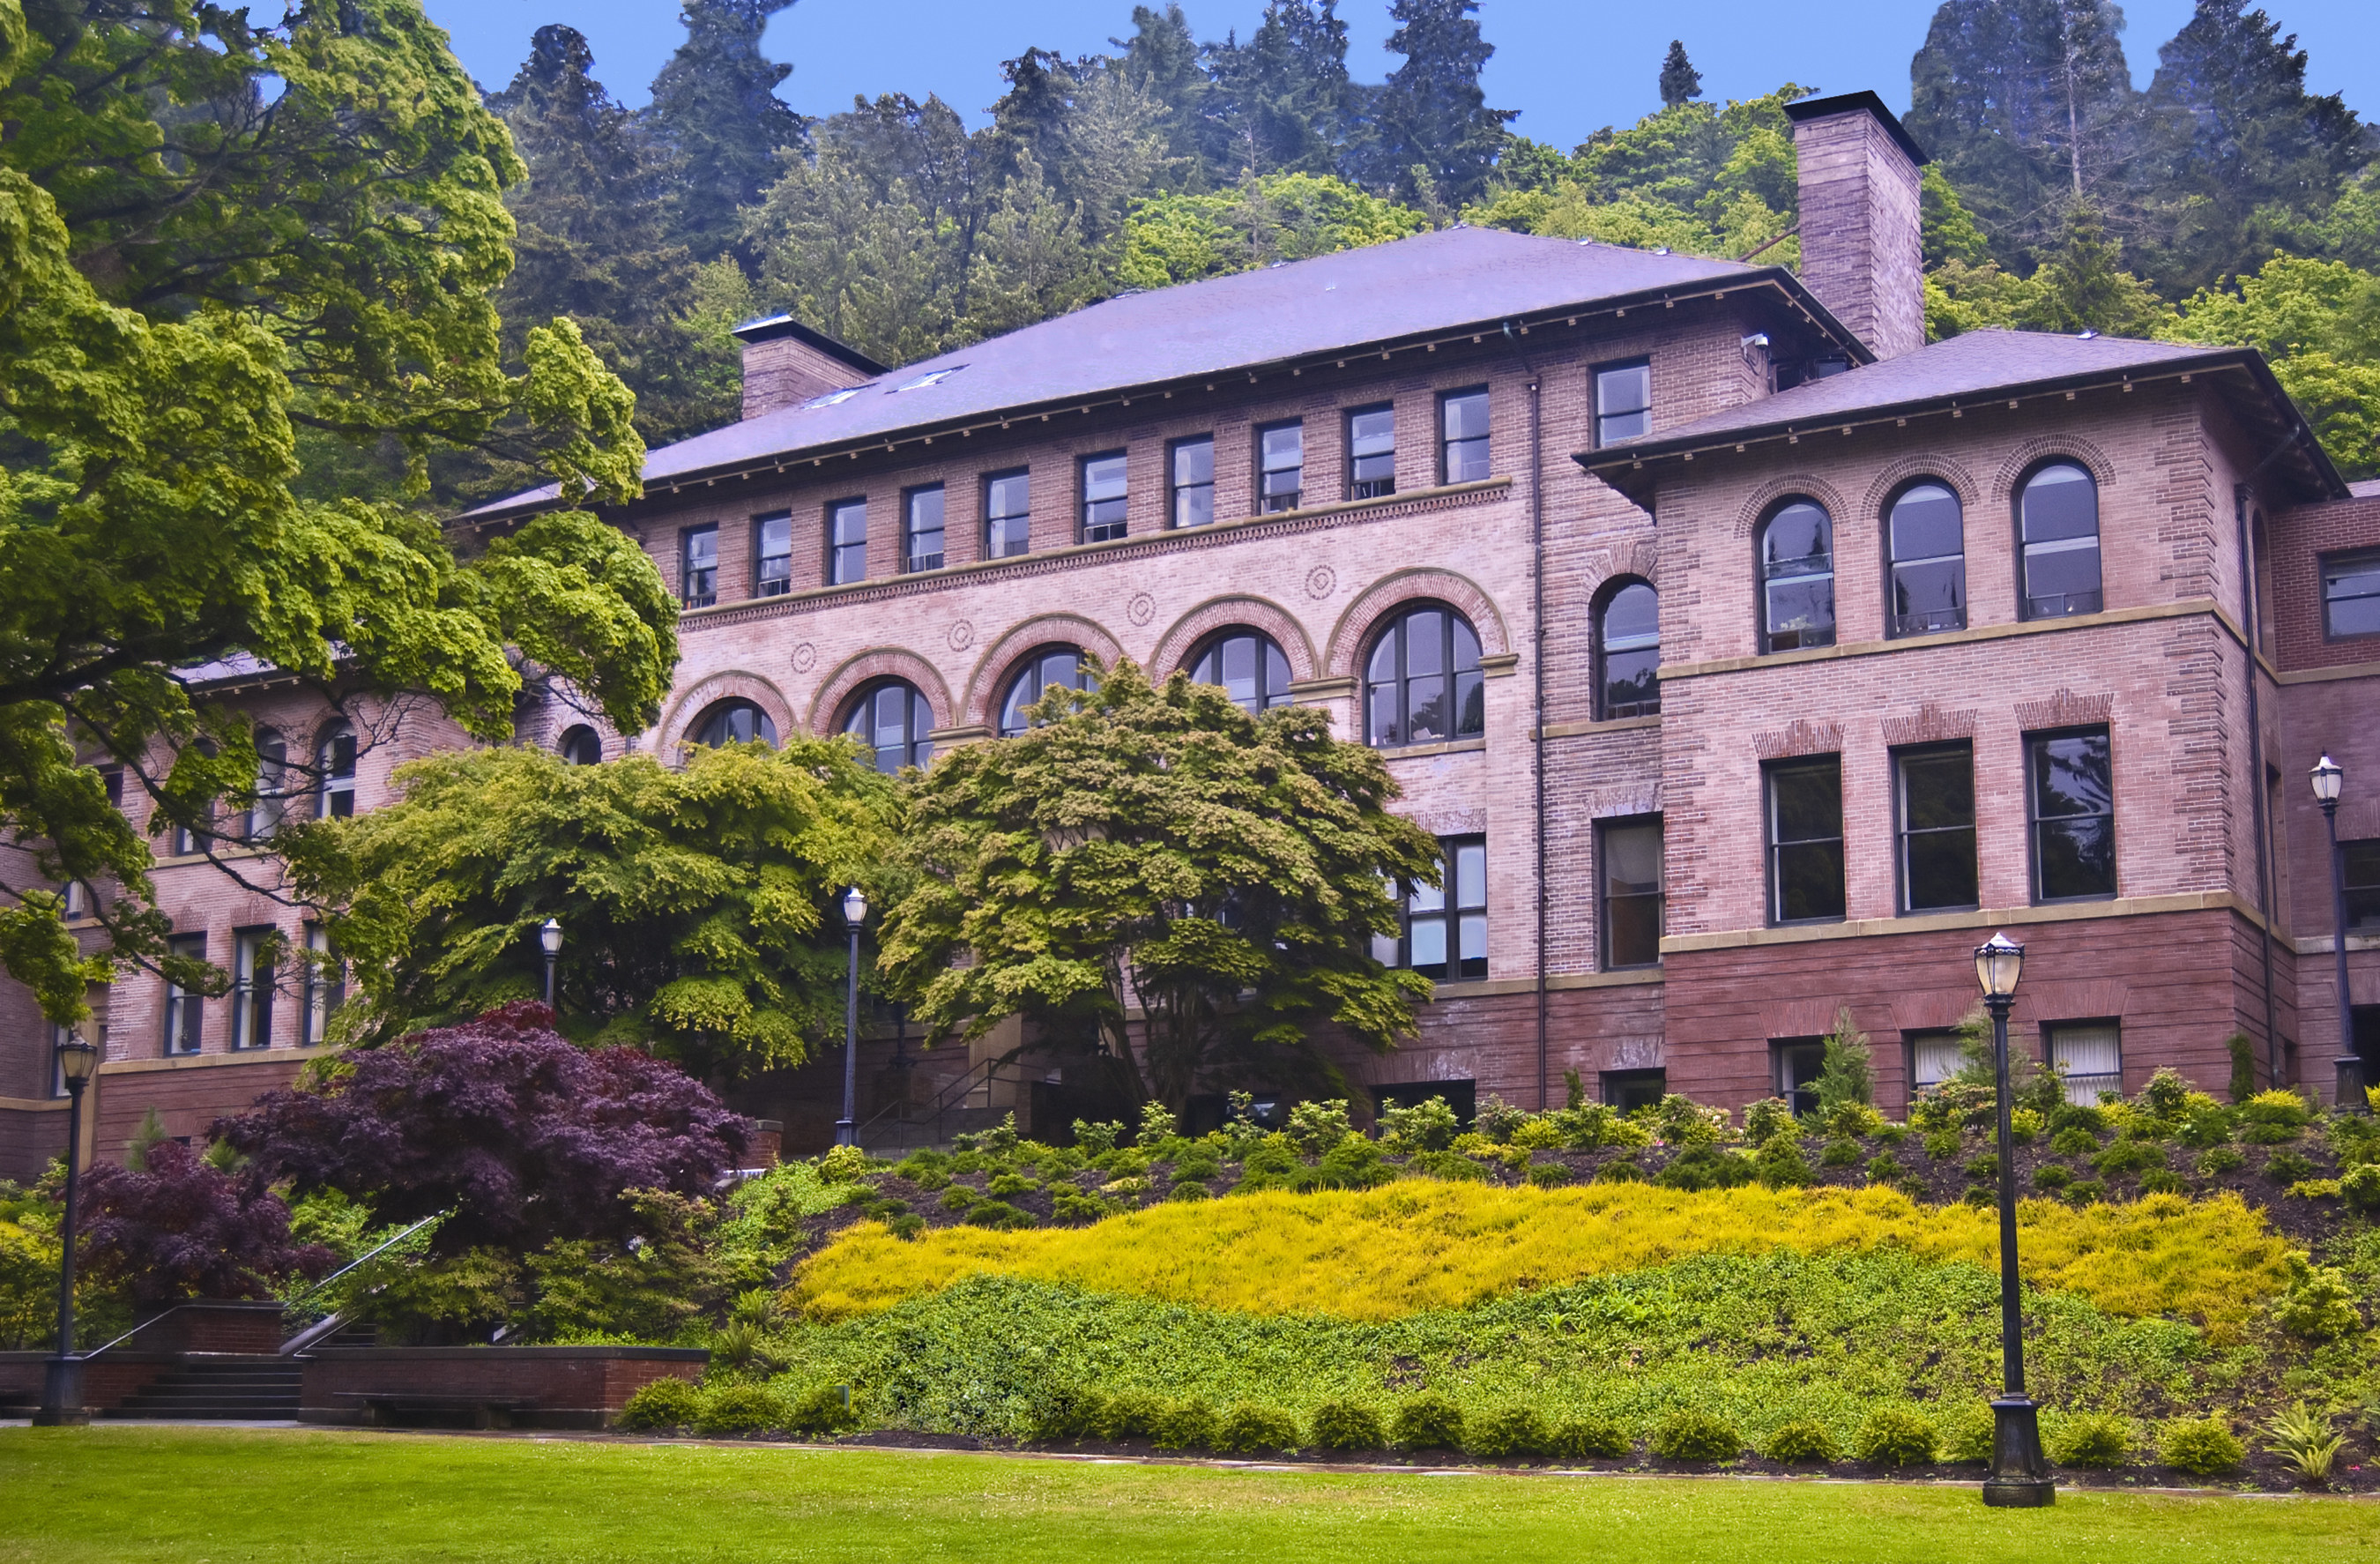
x=1248, y=665
x=1424, y=684
x=1928, y=538
x=893, y=719
x=265, y=814
x=335, y=773
x=1797, y=577
x=2057, y=514
x=732, y=722
x=581, y=746
x=1628, y=653
x=1049, y=665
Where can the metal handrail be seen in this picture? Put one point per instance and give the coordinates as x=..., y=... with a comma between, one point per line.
x=939, y=1108
x=295, y=1300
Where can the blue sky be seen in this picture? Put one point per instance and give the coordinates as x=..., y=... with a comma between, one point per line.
x=1568, y=66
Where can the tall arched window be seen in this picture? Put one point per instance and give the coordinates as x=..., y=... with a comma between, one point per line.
x=1797, y=577
x=1422, y=683
x=1927, y=535
x=2058, y=516
x=733, y=721
x=1251, y=667
x=265, y=814
x=335, y=773
x=581, y=746
x=1628, y=652
x=893, y=719
x=1049, y=665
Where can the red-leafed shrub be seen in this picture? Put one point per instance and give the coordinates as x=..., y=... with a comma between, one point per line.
x=523, y=1135
x=181, y=1229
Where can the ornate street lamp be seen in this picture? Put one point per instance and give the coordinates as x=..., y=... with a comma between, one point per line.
x=2020, y=1478
x=62, y=1403
x=549, y=937
x=2346, y=1092
x=846, y=1129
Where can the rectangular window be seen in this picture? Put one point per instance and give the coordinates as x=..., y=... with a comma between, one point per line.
x=58, y=1034
x=2071, y=793
x=252, y=987
x=846, y=547
x=1628, y=1090
x=1794, y=1066
x=1372, y=453
x=77, y=896
x=326, y=985
x=700, y=546
x=1007, y=515
x=184, y=1009
x=923, y=525
x=2089, y=1058
x=1934, y=795
x=1805, y=839
x=2350, y=594
x=1444, y=932
x=1463, y=419
x=334, y=797
x=773, y=555
x=2360, y=866
x=1624, y=402
x=1934, y=1058
x=1104, y=496
x=1193, y=469
x=1630, y=868
x=185, y=840
x=1281, y=466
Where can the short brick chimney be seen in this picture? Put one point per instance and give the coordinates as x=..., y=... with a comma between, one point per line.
x=786, y=363
x=1861, y=253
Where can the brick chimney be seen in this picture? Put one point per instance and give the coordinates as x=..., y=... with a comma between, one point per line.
x=786, y=363
x=1860, y=246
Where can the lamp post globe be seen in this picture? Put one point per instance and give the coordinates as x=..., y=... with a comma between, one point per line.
x=62, y=1399
x=549, y=938
x=846, y=1129
x=2347, y=1095
x=2020, y=1478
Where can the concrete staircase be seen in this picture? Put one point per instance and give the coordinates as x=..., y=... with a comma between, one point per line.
x=219, y=1388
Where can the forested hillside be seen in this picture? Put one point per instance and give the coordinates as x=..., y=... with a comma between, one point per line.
x=2223, y=204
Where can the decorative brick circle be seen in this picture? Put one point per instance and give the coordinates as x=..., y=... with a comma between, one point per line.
x=1142, y=608
x=804, y=658
x=962, y=636
x=1321, y=581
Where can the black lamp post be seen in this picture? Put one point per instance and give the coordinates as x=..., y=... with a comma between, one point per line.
x=2020, y=1478
x=549, y=937
x=2347, y=1093
x=846, y=1129
x=62, y=1403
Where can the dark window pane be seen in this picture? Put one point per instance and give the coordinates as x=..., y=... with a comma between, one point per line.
x=1630, y=868
x=1623, y=403
x=1371, y=454
x=1798, y=570
x=1805, y=829
x=925, y=524
x=2072, y=776
x=2060, y=501
x=772, y=570
x=1466, y=424
x=702, y=567
x=1941, y=870
x=2078, y=858
x=1928, y=597
x=2360, y=862
x=1938, y=790
x=1194, y=482
x=1809, y=802
x=1809, y=881
x=1799, y=532
x=1281, y=466
x=2351, y=595
x=2072, y=798
x=1104, y=503
x=1007, y=515
x=1926, y=525
x=1630, y=647
x=847, y=542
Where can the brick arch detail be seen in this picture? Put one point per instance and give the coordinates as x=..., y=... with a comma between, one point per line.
x=2032, y=452
x=723, y=686
x=1908, y=469
x=1756, y=504
x=1220, y=613
x=984, y=683
x=867, y=667
x=1385, y=596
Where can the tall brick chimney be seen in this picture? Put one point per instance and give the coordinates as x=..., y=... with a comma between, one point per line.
x=786, y=363
x=1860, y=247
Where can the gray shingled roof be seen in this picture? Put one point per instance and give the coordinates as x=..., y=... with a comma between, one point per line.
x=1382, y=293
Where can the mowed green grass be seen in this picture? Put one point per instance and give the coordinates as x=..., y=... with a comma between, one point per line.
x=222, y=1495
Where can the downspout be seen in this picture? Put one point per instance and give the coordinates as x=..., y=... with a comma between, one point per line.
x=2255, y=632
x=1537, y=717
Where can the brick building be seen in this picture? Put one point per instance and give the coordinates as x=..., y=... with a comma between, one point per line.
x=1754, y=658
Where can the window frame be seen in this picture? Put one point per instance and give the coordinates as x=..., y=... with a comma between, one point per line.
x=2025, y=611
x=2049, y=1034
x=1916, y=1038
x=254, y=985
x=185, y=1010
x=1615, y=1088
x=325, y=992
x=270, y=805
x=2365, y=913
x=334, y=790
x=912, y=562
x=1266, y=495
x=1761, y=580
x=840, y=550
x=1604, y=898
x=1594, y=388
x=1024, y=666
x=2324, y=564
x=1450, y=913
x=917, y=746
x=764, y=727
x=2033, y=818
x=1211, y=645
x=1177, y=491
x=1446, y=443
x=1893, y=628
x=1782, y=1054
x=995, y=545
x=1089, y=530
x=1356, y=486
x=572, y=737
x=1600, y=650
x=1772, y=846
x=1393, y=623
x=691, y=593
x=764, y=583
x=1903, y=903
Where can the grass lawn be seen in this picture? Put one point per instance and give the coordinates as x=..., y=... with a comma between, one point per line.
x=271, y=1495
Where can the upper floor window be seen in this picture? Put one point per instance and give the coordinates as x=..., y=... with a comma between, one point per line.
x=1630, y=867
x=2350, y=594
x=1194, y=481
x=252, y=986
x=2070, y=793
x=1628, y=652
x=1462, y=420
x=2057, y=514
x=1104, y=497
x=581, y=746
x=1248, y=665
x=2360, y=866
x=326, y=986
x=1281, y=466
x=773, y=555
x=893, y=719
x=1935, y=800
x=846, y=542
x=700, y=545
x=1372, y=453
x=1007, y=513
x=335, y=773
x=1797, y=577
x=1624, y=402
x=264, y=814
x=1927, y=535
x=1061, y=666
x=185, y=1007
x=733, y=721
x=1805, y=839
x=1424, y=684
x=923, y=526
x=1442, y=928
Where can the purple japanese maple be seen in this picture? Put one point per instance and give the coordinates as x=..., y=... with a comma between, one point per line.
x=180, y=1229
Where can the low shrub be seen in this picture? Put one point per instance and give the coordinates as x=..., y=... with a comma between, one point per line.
x=2320, y=1307
x=1187, y=1425
x=1884, y=1168
x=664, y=1403
x=1620, y=1170
x=2286, y=1167
x=1427, y=1422
x=1349, y=1426
x=2203, y=1127
x=1840, y=1152
x=1515, y=1429
x=2273, y=1118
x=1130, y=1414
x=1897, y=1437
x=1780, y=1164
x=843, y=1164
x=823, y=1408
x=2222, y=1160
x=2202, y=1446
x=1093, y=1139
x=2091, y=1439
x=1071, y=1205
x=1800, y=1440
x=2088, y=1192
x=1201, y=1165
x=1983, y=1169
x=1706, y=1167
x=1968, y=1439
x=958, y=1197
x=1694, y=1435
x=1063, y=1413
x=1852, y=1119
x=1546, y=1175
x=2360, y=1187
x=1942, y=1145
x=1768, y=1119
x=999, y=1186
x=2052, y=1178
x=1317, y=1125
x=2305, y=1441
x=2128, y=1156
x=1422, y=1126
x=1577, y=1438
x=1450, y=1165
x=2076, y=1142
x=1249, y=1427
x=741, y=1408
x=1353, y=1163
x=2025, y=1125
x=2079, y=1116
x=996, y=1214
x=1187, y=1189
x=1978, y=1195
x=2163, y=1181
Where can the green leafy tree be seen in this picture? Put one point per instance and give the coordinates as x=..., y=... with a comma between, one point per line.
x=1680, y=83
x=2319, y=323
x=715, y=109
x=1437, y=137
x=1156, y=848
x=215, y=235
x=1279, y=217
x=694, y=902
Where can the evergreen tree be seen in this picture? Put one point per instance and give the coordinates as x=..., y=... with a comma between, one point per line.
x=1438, y=138
x=716, y=110
x=1284, y=103
x=1163, y=59
x=1680, y=83
x=1030, y=118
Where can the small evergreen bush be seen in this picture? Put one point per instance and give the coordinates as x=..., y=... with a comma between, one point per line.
x=1348, y=1425
x=1884, y=1168
x=2092, y=1438
x=824, y=1408
x=2051, y=1178
x=1318, y=1126
x=1546, y=1175
x=1620, y=1170
x=1978, y=1195
x=1694, y=1435
x=1249, y=1427
x=2203, y=1446
x=1451, y=1166
x=1968, y=1440
x=2222, y=1160
x=1983, y=1169
x=664, y=1403
x=1199, y=1164
x=1187, y=1190
x=1189, y=1424
x=1516, y=1429
x=1768, y=1117
x=1421, y=1126
x=1071, y=1205
x=999, y=1186
x=2163, y=1181
x=1093, y=1139
x=2087, y=1192
x=1800, y=1440
x=1577, y=1438
x=843, y=1164
x=2128, y=1156
x=996, y=1214
x=1353, y=1163
x=1427, y=1422
x=1897, y=1437
x=1942, y=1145
x=2320, y=1306
x=2273, y=1118
x=1129, y=1414
x=2079, y=1116
x=1781, y=1165
x=1065, y=1413
x=1706, y=1167
x=958, y=1197
x=2360, y=1187
x=1840, y=1152
x=2286, y=1167
x=2075, y=1141
x=740, y=1409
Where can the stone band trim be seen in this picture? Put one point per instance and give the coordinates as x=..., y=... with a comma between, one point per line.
x=2191, y=608
x=1489, y=988
x=1989, y=917
x=209, y=1060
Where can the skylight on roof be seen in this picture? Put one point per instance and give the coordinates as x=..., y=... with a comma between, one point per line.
x=931, y=377
x=844, y=393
